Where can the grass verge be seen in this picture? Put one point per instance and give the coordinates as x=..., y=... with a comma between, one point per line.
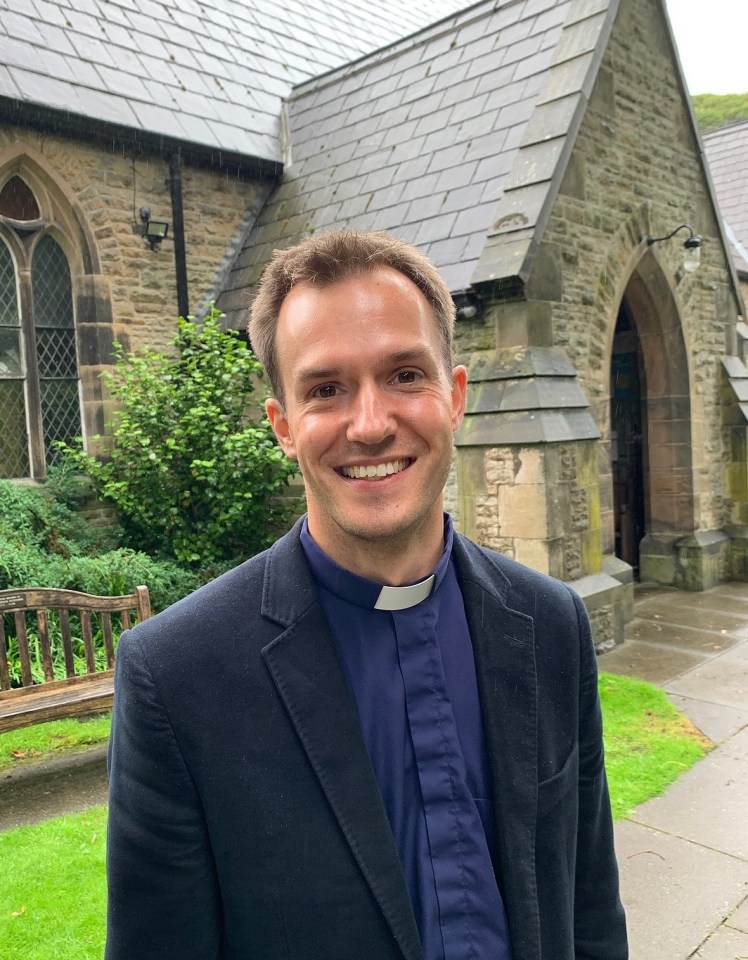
x=648, y=743
x=52, y=885
x=56, y=738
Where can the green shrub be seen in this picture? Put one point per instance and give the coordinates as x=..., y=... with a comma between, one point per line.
x=107, y=574
x=35, y=516
x=714, y=110
x=195, y=472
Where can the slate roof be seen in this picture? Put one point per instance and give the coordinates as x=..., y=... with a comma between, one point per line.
x=452, y=139
x=209, y=72
x=727, y=154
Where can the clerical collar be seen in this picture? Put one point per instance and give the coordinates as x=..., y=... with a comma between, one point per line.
x=368, y=593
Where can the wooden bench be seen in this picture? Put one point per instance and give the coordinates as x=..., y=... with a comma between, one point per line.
x=47, y=614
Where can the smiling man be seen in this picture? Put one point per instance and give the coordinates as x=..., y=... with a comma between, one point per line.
x=376, y=740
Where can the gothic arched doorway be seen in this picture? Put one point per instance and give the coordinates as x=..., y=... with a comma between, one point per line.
x=628, y=435
x=650, y=424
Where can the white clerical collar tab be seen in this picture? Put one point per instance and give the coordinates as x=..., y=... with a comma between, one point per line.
x=400, y=598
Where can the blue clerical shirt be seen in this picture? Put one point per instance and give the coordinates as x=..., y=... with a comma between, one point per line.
x=412, y=676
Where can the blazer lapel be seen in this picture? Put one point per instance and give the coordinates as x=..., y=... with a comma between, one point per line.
x=503, y=642
x=304, y=667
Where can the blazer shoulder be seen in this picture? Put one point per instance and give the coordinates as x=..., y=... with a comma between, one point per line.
x=518, y=586
x=240, y=601
x=215, y=599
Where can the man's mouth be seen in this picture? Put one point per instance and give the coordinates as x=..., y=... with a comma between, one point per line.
x=375, y=472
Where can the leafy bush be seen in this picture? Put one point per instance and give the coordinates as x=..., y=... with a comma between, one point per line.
x=108, y=574
x=112, y=573
x=44, y=543
x=714, y=110
x=195, y=472
x=37, y=516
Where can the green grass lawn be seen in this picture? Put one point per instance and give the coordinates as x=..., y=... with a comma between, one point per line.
x=52, y=887
x=52, y=739
x=648, y=743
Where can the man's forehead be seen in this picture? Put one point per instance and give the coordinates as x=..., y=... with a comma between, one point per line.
x=373, y=275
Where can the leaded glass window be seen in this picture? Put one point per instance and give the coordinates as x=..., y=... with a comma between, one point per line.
x=17, y=201
x=39, y=375
x=14, y=443
x=55, y=345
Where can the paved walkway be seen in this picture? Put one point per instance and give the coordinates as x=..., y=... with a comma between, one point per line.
x=684, y=856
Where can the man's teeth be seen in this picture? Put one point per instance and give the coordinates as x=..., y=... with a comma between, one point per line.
x=375, y=472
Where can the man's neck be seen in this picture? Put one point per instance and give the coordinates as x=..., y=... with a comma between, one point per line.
x=395, y=561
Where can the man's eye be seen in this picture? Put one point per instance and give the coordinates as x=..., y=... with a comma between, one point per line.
x=325, y=392
x=407, y=376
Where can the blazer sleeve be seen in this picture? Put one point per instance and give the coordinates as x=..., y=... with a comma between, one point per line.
x=599, y=919
x=162, y=889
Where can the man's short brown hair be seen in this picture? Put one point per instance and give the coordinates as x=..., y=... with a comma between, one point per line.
x=327, y=258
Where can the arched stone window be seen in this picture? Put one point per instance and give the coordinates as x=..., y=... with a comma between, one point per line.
x=39, y=371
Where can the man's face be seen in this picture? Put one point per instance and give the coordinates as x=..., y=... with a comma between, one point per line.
x=369, y=408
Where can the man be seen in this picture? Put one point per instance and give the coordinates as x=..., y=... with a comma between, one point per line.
x=375, y=740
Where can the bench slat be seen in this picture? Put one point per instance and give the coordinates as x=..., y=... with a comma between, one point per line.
x=52, y=598
x=4, y=670
x=106, y=628
x=80, y=696
x=88, y=641
x=23, y=648
x=43, y=626
x=67, y=643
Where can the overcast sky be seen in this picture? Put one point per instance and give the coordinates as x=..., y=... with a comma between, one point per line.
x=712, y=38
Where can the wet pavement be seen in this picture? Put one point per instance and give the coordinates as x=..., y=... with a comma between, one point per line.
x=683, y=856
x=32, y=792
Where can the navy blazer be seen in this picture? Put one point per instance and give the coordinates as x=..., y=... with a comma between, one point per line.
x=245, y=821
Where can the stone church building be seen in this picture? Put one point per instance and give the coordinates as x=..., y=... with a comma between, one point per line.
x=531, y=148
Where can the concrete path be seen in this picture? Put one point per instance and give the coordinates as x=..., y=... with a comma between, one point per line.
x=684, y=856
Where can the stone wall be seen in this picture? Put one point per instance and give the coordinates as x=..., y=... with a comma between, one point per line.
x=537, y=504
x=636, y=171
x=110, y=188
x=123, y=290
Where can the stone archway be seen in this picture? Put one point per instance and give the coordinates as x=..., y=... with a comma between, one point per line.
x=650, y=340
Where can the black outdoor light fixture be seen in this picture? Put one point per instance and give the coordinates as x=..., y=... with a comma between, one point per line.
x=154, y=231
x=468, y=306
x=692, y=247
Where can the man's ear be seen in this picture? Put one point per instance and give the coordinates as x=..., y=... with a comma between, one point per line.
x=459, y=394
x=281, y=429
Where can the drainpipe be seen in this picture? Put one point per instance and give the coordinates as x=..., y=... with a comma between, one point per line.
x=180, y=259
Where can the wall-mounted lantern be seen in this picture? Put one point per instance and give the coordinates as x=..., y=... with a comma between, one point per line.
x=468, y=305
x=692, y=247
x=154, y=231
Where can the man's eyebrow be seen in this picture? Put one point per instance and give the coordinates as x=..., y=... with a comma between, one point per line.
x=317, y=373
x=405, y=356
x=409, y=355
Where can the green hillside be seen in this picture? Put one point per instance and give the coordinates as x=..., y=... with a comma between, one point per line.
x=715, y=110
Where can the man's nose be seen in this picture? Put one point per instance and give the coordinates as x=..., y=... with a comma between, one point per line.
x=371, y=419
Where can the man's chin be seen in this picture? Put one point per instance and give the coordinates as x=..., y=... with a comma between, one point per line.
x=379, y=530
